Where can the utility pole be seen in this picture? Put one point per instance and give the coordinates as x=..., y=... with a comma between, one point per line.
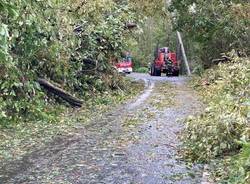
x=167, y=2
x=183, y=53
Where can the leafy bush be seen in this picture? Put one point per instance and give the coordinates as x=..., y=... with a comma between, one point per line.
x=69, y=42
x=239, y=166
x=142, y=70
x=215, y=132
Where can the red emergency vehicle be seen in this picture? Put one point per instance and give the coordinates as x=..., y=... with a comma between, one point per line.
x=165, y=62
x=125, y=65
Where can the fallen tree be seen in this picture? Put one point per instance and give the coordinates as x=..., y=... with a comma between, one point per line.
x=73, y=101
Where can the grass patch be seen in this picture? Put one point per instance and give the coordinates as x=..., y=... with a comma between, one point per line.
x=141, y=70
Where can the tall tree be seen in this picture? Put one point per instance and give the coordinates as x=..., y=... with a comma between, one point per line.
x=217, y=26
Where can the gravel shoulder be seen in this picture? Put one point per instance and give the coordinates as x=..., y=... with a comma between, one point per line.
x=137, y=143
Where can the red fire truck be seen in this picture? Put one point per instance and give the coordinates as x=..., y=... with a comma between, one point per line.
x=125, y=65
x=165, y=62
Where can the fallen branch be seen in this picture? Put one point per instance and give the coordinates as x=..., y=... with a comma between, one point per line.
x=223, y=59
x=60, y=92
x=130, y=25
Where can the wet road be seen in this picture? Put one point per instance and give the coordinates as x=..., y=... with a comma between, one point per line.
x=137, y=143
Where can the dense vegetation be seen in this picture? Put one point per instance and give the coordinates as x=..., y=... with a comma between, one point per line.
x=223, y=127
x=155, y=29
x=220, y=135
x=73, y=43
x=68, y=42
x=212, y=27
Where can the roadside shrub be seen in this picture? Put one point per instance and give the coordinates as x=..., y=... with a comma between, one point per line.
x=142, y=70
x=214, y=133
x=198, y=70
x=68, y=42
x=239, y=168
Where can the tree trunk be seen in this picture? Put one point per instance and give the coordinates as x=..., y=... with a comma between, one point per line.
x=73, y=101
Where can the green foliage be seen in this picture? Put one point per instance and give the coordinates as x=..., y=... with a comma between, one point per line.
x=69, y=42
x=198, y=70
x=141, y=70
x=149, y=8
x=239, y=166
x=155, y=28
x=215, y=132
x=216, y=26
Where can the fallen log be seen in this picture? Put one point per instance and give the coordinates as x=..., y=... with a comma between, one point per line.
x=73, y=101
x=223, y=59
x=217, y=61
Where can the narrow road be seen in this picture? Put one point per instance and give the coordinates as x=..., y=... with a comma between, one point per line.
x=137, y=143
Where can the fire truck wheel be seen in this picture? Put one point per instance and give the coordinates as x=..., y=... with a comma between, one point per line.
x=176, y=73
x=168, y=73
x=152, y=71
x=157, y=72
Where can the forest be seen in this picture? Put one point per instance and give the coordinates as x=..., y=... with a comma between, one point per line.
x=72, y=44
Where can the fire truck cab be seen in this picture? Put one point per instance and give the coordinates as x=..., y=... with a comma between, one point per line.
x=125, y=65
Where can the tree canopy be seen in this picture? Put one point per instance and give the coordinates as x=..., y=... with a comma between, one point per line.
x=69, y=42
x=217, y=26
